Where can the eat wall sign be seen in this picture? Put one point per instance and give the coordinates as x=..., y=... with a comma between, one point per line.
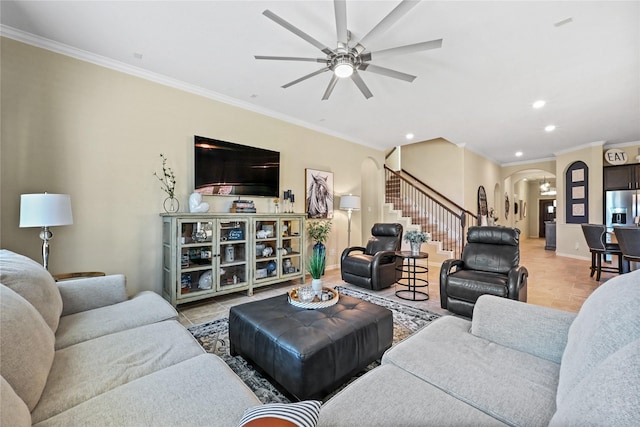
x=615, y=156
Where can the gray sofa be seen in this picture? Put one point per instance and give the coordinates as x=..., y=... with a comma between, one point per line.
x=80, y=353
x=514, y=364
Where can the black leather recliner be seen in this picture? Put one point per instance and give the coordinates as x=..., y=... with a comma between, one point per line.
x=374, y=266
x=489, y=265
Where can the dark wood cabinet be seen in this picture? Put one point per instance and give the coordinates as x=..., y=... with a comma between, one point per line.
x=550, y=235
x=623, y=177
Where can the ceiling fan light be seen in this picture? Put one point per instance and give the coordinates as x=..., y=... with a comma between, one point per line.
x=343, y=70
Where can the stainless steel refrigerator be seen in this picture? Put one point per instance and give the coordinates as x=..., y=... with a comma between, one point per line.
x=622, y=207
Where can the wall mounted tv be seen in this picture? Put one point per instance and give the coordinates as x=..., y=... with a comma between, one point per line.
x=225, y=168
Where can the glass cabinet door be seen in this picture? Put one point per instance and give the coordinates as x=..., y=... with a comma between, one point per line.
x=291, y=247
x=266, y=247
x=233, y=250
x=196, y=258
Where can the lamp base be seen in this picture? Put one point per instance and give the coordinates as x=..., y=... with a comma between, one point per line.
x=45, y=235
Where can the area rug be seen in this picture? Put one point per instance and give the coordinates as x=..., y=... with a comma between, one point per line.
x=214, y=337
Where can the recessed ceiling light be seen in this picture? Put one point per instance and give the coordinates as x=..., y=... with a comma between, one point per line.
x=409, y=136
x=518, y=153
x=539, y=103
x=550, y=128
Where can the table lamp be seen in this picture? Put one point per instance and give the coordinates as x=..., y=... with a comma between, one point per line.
x=45, y=210
x=349, y=203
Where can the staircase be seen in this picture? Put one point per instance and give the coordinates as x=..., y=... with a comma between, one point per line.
x=417, y=206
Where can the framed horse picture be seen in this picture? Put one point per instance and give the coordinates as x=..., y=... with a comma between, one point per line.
x=318, y=193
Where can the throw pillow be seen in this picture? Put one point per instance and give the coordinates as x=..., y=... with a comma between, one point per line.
x=299, y=414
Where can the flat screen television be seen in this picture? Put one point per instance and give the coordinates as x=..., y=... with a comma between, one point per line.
x=225, y=168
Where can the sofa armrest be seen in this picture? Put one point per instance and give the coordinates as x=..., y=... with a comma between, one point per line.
x=448, y=266
x=533, y=329
x=382, y=258
x=347, y=251
x=517, y=276
x=86, y=294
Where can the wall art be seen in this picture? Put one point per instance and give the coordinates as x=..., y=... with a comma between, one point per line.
x=319, y=193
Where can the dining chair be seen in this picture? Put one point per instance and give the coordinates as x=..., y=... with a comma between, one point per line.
x=629, y=241
x=595, y=235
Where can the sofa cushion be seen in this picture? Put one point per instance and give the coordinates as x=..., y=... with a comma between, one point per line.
x=390, y=396
x=93, y=292
x=608, y=320
x=88, y=369
x=514, y=387
x=466, y=285
x=143, y=309
x=358, y=264
x=609, y=395
x=534, y=329
x=13, y=410
x=34, y=283
x=201, y=391
x=26, y=347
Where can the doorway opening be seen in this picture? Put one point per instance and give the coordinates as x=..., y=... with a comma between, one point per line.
x=547, y=212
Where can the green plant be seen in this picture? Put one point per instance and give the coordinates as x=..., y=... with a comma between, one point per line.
x=168, y=179
x=319, y=230
x=417, y=236
x=315, y=266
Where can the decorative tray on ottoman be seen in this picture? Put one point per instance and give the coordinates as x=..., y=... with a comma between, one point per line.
x=329, y=293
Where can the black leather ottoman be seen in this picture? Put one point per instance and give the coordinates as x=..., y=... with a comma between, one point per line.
x=310, y=352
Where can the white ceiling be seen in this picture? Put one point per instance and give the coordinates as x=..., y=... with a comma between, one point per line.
x=497, y=58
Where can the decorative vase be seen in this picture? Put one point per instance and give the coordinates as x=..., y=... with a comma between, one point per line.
x=321, y=251
x=316, y=284
x=415, y=248
x=171, y=205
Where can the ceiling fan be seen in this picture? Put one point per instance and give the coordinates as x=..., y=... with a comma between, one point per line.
x=347, y=59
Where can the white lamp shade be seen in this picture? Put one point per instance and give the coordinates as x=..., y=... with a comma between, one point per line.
x=45, y=210
x=350, y=202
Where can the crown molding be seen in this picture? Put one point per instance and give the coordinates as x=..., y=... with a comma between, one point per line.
x=82, y=55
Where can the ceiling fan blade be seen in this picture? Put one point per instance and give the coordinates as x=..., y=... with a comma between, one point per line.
x=332, y=84
x=387, y=22
x=291, y=58
x=401, y=50
x=387, y=72
x=315, y=73
x=275, y=18
x=361, y=85
x=341, y=22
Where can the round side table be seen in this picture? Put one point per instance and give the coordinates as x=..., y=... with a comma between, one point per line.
x=409, y=276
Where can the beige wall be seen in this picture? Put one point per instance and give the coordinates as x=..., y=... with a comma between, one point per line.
x=73, y=127
x=453, y=171
x=570, y=239
x=479, y=171
x=437, y=163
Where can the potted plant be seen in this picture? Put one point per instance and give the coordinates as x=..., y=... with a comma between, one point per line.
x=315, y=267
x=168, y=185
x=319, y=232
x=416, y=239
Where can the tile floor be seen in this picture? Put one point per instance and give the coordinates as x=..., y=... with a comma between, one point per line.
x=554, y=281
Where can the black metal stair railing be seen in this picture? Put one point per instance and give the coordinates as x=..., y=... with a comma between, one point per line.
x=432, y=211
